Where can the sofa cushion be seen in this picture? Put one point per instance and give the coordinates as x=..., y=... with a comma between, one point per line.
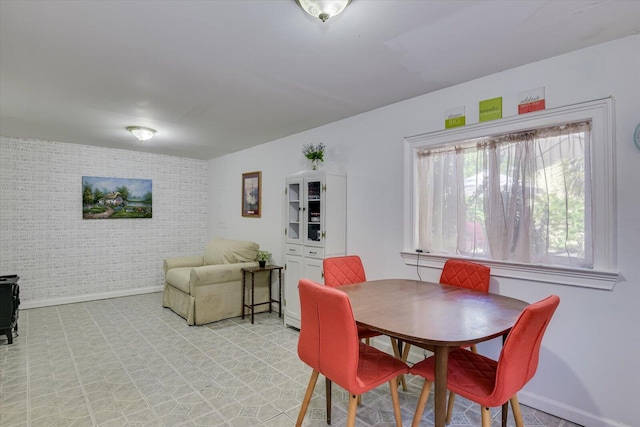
x=222, y=251
x=179, y=278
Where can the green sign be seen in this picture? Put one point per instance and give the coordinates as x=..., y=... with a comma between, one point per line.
x=490, y=109
x=454, y=117
x=455, y=122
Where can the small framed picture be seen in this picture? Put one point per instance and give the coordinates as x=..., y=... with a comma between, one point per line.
x=252, y=194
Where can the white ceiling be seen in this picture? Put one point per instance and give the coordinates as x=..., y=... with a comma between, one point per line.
x=218, y=76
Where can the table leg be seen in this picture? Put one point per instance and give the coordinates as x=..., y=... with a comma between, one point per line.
x=279, y=292
x=505, y=412
x=270, y=295
x=243, y=292
x=252, y=293
x=440, y=392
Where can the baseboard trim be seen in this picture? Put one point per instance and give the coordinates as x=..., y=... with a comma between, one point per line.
x=567, y=412
x=89, y=297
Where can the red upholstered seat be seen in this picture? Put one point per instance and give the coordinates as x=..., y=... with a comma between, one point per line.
x=488, y=382
x=346, y=270
x=329, y=344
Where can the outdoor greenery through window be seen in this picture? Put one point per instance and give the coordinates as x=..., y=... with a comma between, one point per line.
x=521, y=197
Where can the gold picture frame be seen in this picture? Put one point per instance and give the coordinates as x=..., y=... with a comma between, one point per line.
x=252, y=194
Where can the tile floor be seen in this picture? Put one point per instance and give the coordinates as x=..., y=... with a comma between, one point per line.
x=130, y=362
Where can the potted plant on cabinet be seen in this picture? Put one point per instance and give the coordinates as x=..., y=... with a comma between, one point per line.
x=263, y=257
x=315, y=153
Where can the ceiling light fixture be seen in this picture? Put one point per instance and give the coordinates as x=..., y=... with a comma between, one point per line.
x=323, y=9
x=141, y=133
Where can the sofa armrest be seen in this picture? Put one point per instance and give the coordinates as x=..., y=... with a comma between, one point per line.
x=182, y=261
x=218, y=273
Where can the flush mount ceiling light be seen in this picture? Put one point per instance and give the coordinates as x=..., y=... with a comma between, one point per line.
x=141, y=133
x=323, y=9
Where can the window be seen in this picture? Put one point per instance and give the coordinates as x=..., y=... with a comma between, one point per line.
x=519, y=197
x=532, y=193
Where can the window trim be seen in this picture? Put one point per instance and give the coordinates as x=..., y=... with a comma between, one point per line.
x=600, y=112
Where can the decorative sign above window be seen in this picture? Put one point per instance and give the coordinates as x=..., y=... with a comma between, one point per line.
x=531, y=100
x=490, y=109
x=454, y=117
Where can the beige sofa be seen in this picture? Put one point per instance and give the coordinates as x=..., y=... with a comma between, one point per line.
x=207, y=288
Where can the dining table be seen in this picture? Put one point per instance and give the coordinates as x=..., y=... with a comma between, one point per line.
x=434, y=316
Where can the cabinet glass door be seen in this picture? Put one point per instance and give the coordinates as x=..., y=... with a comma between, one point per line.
x=313, y=212
x=294, y=209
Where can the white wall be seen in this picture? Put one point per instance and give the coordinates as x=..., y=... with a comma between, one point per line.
x=62, y=258
x=587, y=370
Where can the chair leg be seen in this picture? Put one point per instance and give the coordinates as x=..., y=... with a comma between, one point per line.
x=405, y=352
x=517, y=414
x=394, y=346
x=327, y=392
x=450, y=402
x=351, y=416
x=504, y=412
x=486, y=416
x=396, y=354
x=422, y=402
x=307, y=397
x=393, y=385
x=367, y=342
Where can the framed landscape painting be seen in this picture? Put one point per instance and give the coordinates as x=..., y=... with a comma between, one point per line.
x=251, y=194
x=113, y=198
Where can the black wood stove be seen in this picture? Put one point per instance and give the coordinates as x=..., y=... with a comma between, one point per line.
x=9, y=302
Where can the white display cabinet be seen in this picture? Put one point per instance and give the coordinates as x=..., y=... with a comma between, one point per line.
x=315, y=228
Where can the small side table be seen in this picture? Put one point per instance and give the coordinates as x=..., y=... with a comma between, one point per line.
x=253, y=271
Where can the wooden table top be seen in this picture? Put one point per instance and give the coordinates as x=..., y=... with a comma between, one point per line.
x=430, y=313
x=268, y=267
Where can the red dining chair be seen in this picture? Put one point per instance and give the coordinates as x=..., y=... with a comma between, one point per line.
x=463, y=274
x=486, y=381
x=345, y=270
x=329, y=344
x=466, y=274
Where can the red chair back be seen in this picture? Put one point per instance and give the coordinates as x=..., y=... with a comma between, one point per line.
x=466, y=274
x=519, y=356
x=328, y=339
x=343, y=270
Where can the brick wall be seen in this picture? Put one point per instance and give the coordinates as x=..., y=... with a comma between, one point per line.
x=62, y=258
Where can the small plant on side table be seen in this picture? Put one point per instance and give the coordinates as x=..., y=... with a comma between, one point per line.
x=263, y=257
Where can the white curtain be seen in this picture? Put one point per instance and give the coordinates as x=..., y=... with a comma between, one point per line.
x=521, y=197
